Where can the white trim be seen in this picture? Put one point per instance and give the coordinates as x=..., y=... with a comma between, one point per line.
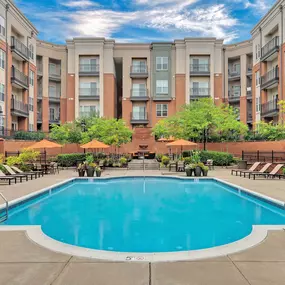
x=258, y=234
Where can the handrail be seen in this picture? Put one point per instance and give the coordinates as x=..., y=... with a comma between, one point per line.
x=6, y=208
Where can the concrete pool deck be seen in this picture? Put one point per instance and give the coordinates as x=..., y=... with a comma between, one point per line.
x=24, y=262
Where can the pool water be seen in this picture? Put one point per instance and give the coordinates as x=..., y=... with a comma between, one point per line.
x=146, y=214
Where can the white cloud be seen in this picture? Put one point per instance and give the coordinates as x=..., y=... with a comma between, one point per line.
x=79, y=4
x=259, y=6
x=180, y=3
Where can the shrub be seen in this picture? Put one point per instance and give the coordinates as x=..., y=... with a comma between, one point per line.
x=159, y=157
x=187, y=160
x=28, y=156
x=3, y=169
x=33, y=136
x=128, y=157
x=165, y=160
x=89, y=158
x=1, y=158
x=219, y=158
x=71, y=159
x=123, y=161
x=13, y=160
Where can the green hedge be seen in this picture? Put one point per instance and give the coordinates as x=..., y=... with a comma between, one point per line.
x=219, y=158
x=71, y=159
x=33, y=136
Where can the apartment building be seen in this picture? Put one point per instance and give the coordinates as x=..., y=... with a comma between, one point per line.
x=268, y=38
x=238, y=79
x=18, y=87
x=43, y=83
x=51, y=81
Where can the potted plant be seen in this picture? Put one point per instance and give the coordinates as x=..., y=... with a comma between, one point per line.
x=90, y=165
x=189, y=168
x=123, y=161
x=81, y=169
x=98, y=171
x=205, y=170
x=196, y=159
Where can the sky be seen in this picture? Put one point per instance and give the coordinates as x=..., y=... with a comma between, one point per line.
x=144, y=20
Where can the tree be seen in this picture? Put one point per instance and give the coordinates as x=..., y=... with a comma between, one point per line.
x=67, y=133
x=200, y=118
x=270, y=131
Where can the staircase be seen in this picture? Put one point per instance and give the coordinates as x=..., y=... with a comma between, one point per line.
x=143, y=164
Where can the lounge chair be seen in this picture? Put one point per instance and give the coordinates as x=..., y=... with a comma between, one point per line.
x=7, y=178
x=262, y=170
x=180, y=166
x=36, y=173
x=13, y=173
x=253, y=168
x=272, y=174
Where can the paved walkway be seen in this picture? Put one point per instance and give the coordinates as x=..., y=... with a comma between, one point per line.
x=25, y=263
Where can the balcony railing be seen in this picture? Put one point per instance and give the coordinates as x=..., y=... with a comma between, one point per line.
x=249, y=116
x=40, y=116
x=271, y=47
x=139, y=117
x=54, y=119
x=54, y=96
x=270, y=108
x=248, y=94
x=89, y=92
x=234, y=74
x=19, y=48
x=55, y=74
x=39, y=69
x=139, y=94
x=19, y=77
x=92, y=69
x=19, y=108
x=234, y=96
x=249, y=69
x=200, y=69
x=197, y=93
x=270, y=79
x=139, y=71
x=40, y=93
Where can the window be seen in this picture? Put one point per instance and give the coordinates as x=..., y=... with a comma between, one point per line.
x=200, y=88
x=2, y=27
x=161, y=110
x=89, y=64
x=236, y=68
x=31, y=104
x=52, y=68
x=162, y=86
x=2, y=90
x=257, y=78
x=88, y=89
x=139, y=113
x=139, y=66
x=31, y=51
x=257, y=51
x=1, y=125
x=87, y=111
x=31, y=127
x=162, y=63
x=199, y=64
x=54, y=114
x=32, y=77
x=236, y=90
x=258, y=104
x=139, y=89
x=2, y=59
x=52, y=91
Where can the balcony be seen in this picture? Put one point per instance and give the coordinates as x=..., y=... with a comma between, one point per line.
x=39, y=70
x=139, y=71
x=234, y=96
x=139, y=118
x=249, y=116
x=20, y=51
x=270, y=50
x=233, y=75
x=39, y=117
x=270, y=79
x=199, y=93
x=89, y=93
x=89, y=69
x=19, y=108
x=54, y=97
x=19, y=79
x=270, y=108
x=54, y=119
x=40, y=94
x=55, y=75
x=200, y=69
x=139, y=95
x=249, y=71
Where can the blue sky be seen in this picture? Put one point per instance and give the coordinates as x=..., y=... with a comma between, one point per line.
x=144, y=20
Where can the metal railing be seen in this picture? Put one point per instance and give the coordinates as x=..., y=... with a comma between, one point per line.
x=40, y=93
x=39, y=68
x=270, y=46
x=199, y=68
x=249, y=116
x=39, y=116
x=19, y=76
x=89, y=68
x=271, y=75
x=234, y=94
x=3, y=219
x=233, y=73
x=55, y=95
x=56, y=73
x=139, y=69
x=89, y=92
x=248, y=93
x=264, y=156
x=200, y=92
x=139, y=116
x=19, y=106
x=269, y=107
x=138, y=92
x=19, y=47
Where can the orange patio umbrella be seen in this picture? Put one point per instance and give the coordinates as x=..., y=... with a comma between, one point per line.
x=181, y=143
x=94, y=144
x=44, y=144
x=170, y=139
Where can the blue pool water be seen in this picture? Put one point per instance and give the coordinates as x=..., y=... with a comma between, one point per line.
x=146, y=214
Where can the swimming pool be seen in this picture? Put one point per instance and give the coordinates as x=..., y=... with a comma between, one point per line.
x=146, y=214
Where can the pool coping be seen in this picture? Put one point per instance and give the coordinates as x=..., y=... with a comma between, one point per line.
x=35, y=233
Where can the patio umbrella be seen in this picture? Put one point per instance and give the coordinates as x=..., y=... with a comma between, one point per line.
x=44, y=144
x=181, y=143
x=94, y=144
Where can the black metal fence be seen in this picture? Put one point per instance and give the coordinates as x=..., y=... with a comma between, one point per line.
x=264, y=156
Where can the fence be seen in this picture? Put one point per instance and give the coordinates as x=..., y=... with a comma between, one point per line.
x=264, y=156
